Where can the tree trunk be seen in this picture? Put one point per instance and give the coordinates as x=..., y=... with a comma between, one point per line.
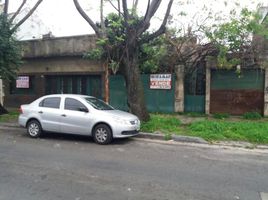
x=2, y=110
x=135, y=92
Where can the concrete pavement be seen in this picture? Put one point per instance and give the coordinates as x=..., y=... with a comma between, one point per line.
x=73, y=167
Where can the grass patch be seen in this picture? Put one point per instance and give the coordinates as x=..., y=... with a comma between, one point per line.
x=195, y=114
x=221, y=115
x=11, y=116
x=252, y=115
x=254, y=132
x=162, y=123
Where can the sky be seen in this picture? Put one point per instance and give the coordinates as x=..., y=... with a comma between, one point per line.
x=62, y=19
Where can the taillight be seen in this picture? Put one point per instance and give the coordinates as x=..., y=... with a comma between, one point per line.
x=20, y=110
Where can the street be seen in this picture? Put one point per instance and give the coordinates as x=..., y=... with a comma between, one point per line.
x=60, y=167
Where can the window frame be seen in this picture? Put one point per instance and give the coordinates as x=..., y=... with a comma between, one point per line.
x=83, y=107
x=41, y=103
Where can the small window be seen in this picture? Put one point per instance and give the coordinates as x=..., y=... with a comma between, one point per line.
x=51, y=102
x=73, y=104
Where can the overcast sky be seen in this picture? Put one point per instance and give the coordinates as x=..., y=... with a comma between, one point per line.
x=62, y=19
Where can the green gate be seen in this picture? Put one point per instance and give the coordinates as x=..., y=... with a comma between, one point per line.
x=118, y=93
x=156, y=100
x=194, y=90
x=78, y=84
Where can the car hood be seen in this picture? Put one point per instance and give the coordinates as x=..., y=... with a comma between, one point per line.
x=120, y=114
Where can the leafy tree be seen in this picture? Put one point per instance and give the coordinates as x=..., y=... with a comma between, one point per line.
x=150, y=56
x=10, y=52
x=234, y=40
x=132, y=35
x=237, y=40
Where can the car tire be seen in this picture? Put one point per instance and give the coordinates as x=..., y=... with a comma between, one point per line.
x=34, y=129
x=102, y=134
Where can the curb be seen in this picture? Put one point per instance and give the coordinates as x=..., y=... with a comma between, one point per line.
x=198, y=140
x=8, y=124
x=177, y=138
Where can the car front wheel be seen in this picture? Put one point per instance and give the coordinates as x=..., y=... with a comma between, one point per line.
x=34, y=128
x=102, y=134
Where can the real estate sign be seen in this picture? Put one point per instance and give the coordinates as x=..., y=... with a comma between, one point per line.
x=22, y=82
x=160, y=81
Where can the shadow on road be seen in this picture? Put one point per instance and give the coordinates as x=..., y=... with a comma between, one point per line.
x=78, y=138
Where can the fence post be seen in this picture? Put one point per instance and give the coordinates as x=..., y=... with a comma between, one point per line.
x=179, y=88
x=210, y=63
x=1, y=92
x=265, y=111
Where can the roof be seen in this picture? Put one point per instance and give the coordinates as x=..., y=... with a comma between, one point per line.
x=58, y=46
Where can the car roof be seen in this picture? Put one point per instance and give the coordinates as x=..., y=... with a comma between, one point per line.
x=67, y=95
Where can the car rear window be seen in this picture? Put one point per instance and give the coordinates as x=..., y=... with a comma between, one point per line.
x=50, y=102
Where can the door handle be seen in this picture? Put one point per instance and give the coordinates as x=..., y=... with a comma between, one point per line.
x=63, y=115
x=41, y=112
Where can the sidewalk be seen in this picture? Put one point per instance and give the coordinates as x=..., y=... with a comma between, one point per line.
x=174, y=138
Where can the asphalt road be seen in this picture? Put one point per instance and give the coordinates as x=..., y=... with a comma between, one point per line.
x=59, y=167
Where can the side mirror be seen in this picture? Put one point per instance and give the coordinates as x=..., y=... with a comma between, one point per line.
x=83, y=109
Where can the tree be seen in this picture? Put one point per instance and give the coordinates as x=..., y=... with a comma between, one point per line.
x=231, y=38
x=10, y=52
x=134, y=35
x=237, y=40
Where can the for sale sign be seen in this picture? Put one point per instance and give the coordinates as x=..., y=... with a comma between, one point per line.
x=22, y=82
x=160, y=81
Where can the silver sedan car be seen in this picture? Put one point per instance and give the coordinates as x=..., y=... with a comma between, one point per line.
x=77, y=114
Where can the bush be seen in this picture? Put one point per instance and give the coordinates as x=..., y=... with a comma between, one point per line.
x=252, y=115
x=221, y=115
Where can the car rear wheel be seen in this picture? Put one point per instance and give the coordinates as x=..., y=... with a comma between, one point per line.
x=34, y=128
x=102, y=134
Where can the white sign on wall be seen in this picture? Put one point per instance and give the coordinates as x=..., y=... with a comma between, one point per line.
x=22, y=82
x=160, y=81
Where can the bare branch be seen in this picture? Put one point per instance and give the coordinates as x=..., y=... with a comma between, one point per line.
x=6, y=7
x=117, y=9
x=26, y=16
x=134, y=6
x=162, y=28
x=87, y=18
x=151, y=9
x=125, y=9
x=18, y=11
x=101, y=15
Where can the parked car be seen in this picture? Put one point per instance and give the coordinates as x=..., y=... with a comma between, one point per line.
x=77, y=114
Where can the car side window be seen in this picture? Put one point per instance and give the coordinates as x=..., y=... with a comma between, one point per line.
x=50, y=102
x=73, y=104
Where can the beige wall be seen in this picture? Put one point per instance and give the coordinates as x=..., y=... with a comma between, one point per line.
x=62, y=46
x=60, y=65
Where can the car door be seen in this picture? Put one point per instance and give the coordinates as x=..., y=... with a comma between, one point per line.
x=49, y=114
x=75, y=117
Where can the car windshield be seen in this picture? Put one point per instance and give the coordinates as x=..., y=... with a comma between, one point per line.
x=98, y=104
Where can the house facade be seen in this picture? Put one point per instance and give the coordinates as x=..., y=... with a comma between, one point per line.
x=55, y=65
